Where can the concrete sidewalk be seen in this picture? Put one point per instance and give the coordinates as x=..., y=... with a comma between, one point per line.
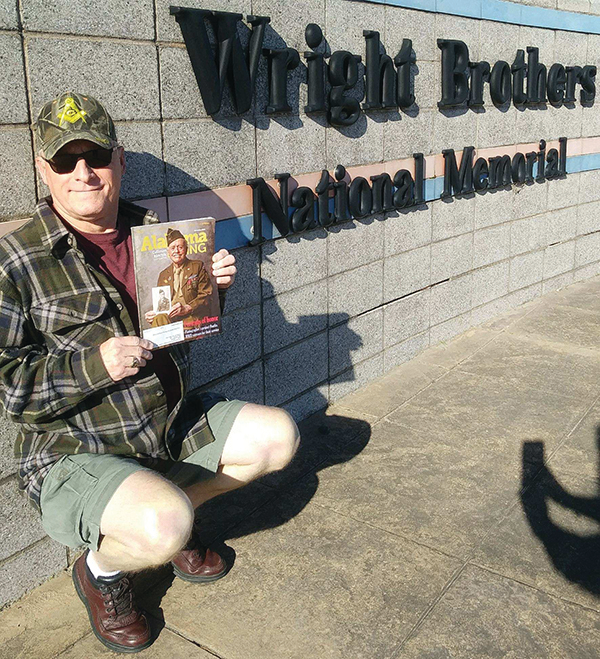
x=450, y=509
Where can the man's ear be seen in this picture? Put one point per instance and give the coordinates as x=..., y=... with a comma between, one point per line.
x=41, y=165
x=121, y=152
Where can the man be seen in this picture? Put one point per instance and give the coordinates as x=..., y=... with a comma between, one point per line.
x=102, y=414
x=189, y=282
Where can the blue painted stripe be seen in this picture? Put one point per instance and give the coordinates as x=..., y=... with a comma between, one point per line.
x=504, y=12
x=584, y=163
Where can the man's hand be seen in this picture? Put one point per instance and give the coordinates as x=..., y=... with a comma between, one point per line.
x=123, y=356
x=150, y=316
x=224, y=268
x=179, y=309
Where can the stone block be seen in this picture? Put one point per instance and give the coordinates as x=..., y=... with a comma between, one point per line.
x=356, y=243
x=355, y=340
x=289, y=20
x=571, y=5
x=526, y=270
x=454, y=129
x=358, y=144
x=494, y=207
x=312, y=401
x=490, y=283
x=404, y=134
x=357, y=377
x=247, y=384
x=590, y=119
x=496, y=127
x=13, y=99
x=587, y=272
x=452, y=218
x=528, y=235
x=405, y=318
x=19, y=522
x=30, y=569
x=406, y=273
x=425, y=80
x=451, y=298
x=8, y=434
x=402, y=24
x=588, y=218
x=112, y=18
x=559, y=258
x=294, y=315
x=238, y=344
x=501, y=305
x=499, y=41
x=558, y=282
x=564, y=121
x=246, y=289
x=587, y=249
x=403, y=352
x=540, y=37
x=490, y=245
x=17, y=197
x=408, y=229
x=531, y=199
x=168, y=29
x=463, y=29
x=144, y=176
x=346, y=22
x=451, y=257
x=131, y=68
x=293, y=262
x=355, y=291
x=561, y=225
x=589, y=186
x=563, y=192
x=449, y=329
x=296, y=369
x=192, y=149
x=530, y=124
x=289, y=144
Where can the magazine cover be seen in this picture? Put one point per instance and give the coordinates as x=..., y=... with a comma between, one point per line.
x=176, y=293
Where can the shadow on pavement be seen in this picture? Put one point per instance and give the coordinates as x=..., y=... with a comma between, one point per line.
x=573, y=555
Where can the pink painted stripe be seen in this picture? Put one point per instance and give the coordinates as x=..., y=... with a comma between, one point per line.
x=236, y=200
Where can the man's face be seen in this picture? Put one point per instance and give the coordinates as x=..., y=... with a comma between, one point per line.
x=86, y=194
x=177, y=251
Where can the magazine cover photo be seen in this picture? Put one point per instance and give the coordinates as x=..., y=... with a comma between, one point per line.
x=177, y=294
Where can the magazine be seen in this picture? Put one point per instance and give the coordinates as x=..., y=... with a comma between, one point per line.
x=177, y=294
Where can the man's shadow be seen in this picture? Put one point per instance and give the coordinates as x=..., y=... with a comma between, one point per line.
x=326, y=440
x=575, y=556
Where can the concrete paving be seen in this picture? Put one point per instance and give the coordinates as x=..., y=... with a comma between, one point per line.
x=449, y=509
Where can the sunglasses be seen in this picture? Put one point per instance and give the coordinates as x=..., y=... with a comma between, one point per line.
x=65, y=163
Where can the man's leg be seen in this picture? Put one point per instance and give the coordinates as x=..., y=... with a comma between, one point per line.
x=261, y=440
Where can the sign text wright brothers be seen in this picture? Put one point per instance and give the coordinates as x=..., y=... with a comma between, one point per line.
x=526, y=82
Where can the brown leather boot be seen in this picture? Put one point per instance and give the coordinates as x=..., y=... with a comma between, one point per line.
x=198, y=564
x=115, y=619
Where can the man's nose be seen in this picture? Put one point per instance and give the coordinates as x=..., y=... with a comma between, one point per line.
x=82, y=170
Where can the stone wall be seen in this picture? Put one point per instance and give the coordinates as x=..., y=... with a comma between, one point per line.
x=314, y=316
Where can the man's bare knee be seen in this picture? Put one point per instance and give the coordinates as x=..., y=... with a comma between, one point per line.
x=150, y=516
x=281, y=441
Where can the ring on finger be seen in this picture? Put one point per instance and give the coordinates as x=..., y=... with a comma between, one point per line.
x=135, y=362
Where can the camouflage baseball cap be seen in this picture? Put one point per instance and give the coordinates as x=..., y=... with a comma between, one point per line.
x=72, y=116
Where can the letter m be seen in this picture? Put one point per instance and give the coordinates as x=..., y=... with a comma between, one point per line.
x=228, y=62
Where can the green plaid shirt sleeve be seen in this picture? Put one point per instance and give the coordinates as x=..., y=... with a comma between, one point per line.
x=56, y=312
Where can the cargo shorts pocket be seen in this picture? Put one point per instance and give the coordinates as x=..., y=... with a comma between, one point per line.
x=66, y=490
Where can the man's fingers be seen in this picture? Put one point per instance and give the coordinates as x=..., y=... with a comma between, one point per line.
x=225, y=272
x=221, y=254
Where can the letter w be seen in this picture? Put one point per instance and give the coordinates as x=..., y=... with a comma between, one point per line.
x=228, y=62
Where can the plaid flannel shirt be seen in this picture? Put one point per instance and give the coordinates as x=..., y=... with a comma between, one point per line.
x=56, y=310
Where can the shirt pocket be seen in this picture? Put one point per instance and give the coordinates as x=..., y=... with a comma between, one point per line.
x=73, y=323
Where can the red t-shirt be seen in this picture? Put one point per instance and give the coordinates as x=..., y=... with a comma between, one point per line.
x=111, y=253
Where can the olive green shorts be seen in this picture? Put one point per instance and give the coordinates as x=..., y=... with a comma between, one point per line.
x=77, y=488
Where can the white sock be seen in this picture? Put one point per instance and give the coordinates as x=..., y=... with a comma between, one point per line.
x=95, y=569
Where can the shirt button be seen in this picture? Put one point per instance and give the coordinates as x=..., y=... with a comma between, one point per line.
x=120, y=306
x=160, y=392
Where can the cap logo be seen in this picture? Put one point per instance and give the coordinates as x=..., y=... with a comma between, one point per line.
x=71, y=112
